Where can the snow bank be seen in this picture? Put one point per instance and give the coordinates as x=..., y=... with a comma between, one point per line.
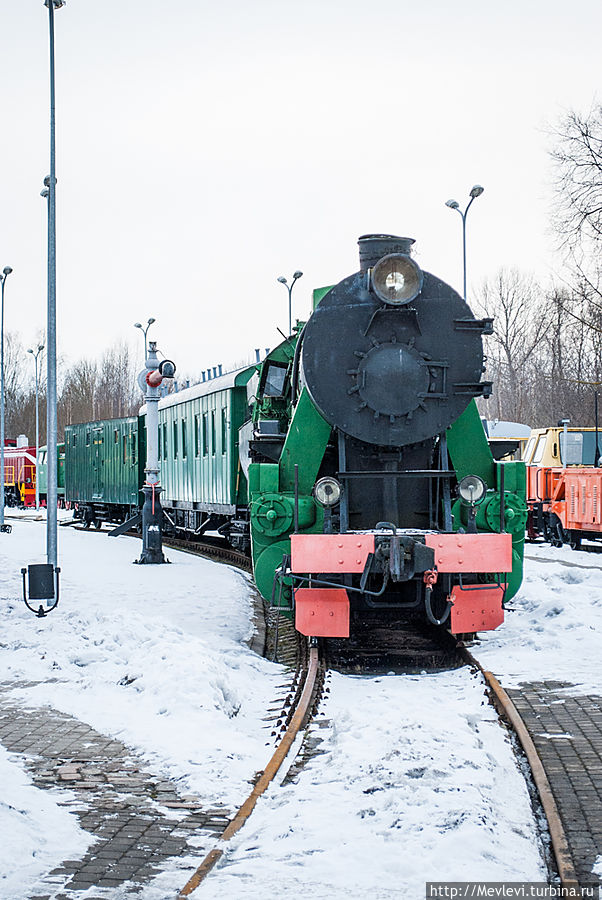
x=35, y=831
x=554, y=627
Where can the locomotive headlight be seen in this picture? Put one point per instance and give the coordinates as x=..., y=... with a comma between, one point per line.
x=472, y=490
x=327, y=491
x=396, y=279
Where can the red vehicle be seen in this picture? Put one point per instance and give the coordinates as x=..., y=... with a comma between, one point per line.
x=20, y=476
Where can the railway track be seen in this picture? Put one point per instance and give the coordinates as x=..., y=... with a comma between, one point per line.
x=298, y=715
x=509, y=713
x=376, y=649
x=217, y=549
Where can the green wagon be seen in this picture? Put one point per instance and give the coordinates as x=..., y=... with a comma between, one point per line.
x=104, y=462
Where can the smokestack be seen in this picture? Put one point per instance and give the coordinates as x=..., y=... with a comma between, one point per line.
x=374, y=246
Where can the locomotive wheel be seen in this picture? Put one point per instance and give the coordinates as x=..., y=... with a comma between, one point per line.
x=98, y=524
x=575, y=541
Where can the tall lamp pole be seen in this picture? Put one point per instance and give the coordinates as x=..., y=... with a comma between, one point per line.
x=289, y=287
x=5, y=273
x=475, y=192
x=51, y=399
x=144, y=331
x=35, y=355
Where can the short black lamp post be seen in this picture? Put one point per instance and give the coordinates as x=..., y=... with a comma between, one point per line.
x=475, y=192
x=289, y=287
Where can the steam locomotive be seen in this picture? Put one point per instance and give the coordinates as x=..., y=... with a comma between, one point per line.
x=372, y=488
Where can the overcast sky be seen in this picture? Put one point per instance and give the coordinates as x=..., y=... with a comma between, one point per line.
x=204, y=149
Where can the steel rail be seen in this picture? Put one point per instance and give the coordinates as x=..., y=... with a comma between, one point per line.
x=560, y=846
x=269, y=773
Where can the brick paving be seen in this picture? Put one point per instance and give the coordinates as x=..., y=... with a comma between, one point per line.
x=567, y=732
x=139, y=819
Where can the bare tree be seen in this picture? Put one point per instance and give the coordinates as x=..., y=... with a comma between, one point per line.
x=578, y=159
x=545, y=356
x=77, y=399
x=520, y=326
x=117, y=394
x=15, y=379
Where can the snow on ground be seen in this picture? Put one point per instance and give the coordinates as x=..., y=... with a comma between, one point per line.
x=553, y=630
x=416, y=780
x=35, y=830
x=154, y=655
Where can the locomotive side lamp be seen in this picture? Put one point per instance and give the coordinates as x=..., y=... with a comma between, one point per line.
x=327, y=492
x=472, y=491
x=396, y=279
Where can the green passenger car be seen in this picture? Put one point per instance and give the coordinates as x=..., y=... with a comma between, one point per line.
x=204, y=487
x=42, y=473
x=104, y=468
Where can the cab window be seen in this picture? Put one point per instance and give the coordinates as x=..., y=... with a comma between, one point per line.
x=539, y=450
x=274, y=381
x=529, y=449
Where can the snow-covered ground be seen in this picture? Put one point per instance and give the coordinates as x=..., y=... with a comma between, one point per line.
x=554, y=630
x=416, y=781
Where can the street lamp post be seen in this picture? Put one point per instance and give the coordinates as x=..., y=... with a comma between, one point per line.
x=35, y=355
x=144, y=331
x=282, y=280
x=5, y=273
x=475, y=192
x=51, y=394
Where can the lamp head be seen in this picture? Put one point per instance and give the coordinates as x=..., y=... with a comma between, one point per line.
x=6, y=270
x=30, y=351
x=150, y=321
x=297, y=274
x=44, y=193
x=282, y=279
x=40, y=347
x=137, y=325
x=453, y=204
x=476, y=191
